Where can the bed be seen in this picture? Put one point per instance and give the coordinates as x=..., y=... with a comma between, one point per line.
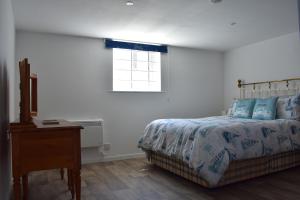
x=220, y=150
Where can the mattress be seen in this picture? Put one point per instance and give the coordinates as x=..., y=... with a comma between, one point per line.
x=209, y=145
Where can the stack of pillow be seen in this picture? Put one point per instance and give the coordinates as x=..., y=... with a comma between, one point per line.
x=287, y=107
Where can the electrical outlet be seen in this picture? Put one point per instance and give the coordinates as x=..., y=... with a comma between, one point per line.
x=106, y=146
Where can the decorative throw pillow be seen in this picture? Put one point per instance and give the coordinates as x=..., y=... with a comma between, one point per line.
x=244, y=108
x=288, y=107
x=265, y=109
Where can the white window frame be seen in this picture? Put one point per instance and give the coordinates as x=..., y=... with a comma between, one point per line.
x=136, y=85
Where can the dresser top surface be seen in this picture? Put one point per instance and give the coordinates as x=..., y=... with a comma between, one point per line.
x=39, y=124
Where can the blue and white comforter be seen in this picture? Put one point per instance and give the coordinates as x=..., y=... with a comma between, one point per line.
x=209, y=144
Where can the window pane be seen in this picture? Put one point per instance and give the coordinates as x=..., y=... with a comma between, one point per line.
x=154, y=76
x=121, y=85
x=154, y=57
x=141, y=66
x=140, y=55
x=121, y=54
x=122, y=65
x=122, y=75
x=140, y=85
x=139, y=76
x=155, y=86
x=135, y=70
x=154, y=66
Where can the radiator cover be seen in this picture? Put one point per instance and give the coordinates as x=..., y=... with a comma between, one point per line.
x=92, y=134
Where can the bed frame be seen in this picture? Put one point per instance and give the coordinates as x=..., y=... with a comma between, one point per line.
x=241, y=170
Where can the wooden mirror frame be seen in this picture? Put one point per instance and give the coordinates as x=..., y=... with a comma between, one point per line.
x=28, y=92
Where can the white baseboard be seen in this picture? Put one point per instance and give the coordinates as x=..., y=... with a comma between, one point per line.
x=123, y=157
x=91, y=160
x=108, y=158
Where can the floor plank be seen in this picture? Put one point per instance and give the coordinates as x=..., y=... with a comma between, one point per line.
x=135, y=179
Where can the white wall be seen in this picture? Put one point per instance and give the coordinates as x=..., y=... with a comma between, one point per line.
x=75, y=81
x=7, y=49
x=277, y=58
x=7, y=80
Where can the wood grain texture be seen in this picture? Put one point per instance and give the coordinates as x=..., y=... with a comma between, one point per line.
x=40, y=147
x=135, y=179
x=34, y=95
x=24, y=68
x=28, y=92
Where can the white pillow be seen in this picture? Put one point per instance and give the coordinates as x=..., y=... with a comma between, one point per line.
x=232, y=108
x=288, y=107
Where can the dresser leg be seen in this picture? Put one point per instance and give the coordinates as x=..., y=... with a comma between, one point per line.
x=71, y=182
x=25, y=186
x=62, y=173
x=77, y=180
x=69, y=179
x=17, y=188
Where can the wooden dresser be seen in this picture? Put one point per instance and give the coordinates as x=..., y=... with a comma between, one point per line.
x=37, y=146
x=41, y=147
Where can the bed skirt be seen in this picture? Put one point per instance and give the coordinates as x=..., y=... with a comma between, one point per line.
x=238, y=170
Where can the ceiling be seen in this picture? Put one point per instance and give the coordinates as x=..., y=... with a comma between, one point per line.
x=188, y=23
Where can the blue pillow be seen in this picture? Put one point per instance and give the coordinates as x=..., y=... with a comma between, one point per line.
x=265, y=109
x=244, y=108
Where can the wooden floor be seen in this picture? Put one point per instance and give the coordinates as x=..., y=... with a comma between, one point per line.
x=136, y=180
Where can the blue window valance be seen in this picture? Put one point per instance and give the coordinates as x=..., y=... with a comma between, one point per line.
x=109, y=43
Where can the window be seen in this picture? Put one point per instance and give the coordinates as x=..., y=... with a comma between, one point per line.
x=135, y=70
